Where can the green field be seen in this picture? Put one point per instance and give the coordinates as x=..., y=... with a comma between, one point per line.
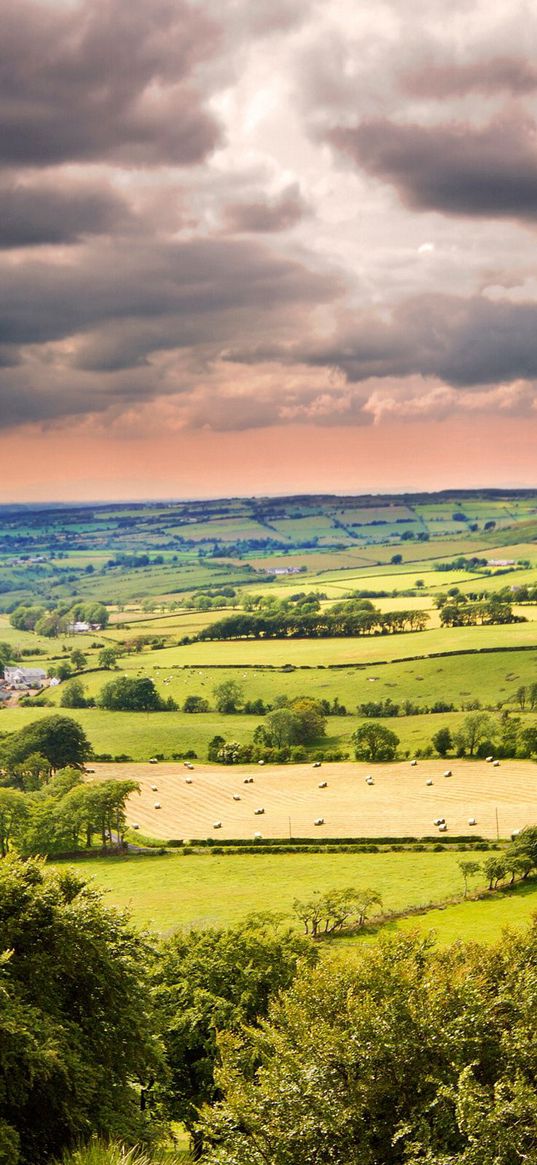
x=176, y=890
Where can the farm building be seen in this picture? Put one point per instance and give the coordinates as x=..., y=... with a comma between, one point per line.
x=25, y=677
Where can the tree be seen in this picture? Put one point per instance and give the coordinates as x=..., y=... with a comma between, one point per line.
x=374, y=742
x=195, y=704
x=228, y=695
x=475, y=728
x=73, y=695
x=76, y=1029
x=335, y=910
x=281, y=728
x=408, y=1055
x=78, y=659
x=495, y=869
x=469, y=870
x=133, y=694
x=442, y=741
x=210, y=981
x=13, y=815
x=58, y=738
x=108, y=658
x=311, y=719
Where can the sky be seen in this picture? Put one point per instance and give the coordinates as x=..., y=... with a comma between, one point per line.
x=266, y=246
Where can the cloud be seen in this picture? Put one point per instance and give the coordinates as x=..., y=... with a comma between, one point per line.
x=106, y=80
x=462, y=342
x=45, y=213
x=458, y=169
x=265, y=214
x=442, y=79
x=129, y=321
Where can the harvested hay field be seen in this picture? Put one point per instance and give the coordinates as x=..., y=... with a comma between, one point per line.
x=399, y=804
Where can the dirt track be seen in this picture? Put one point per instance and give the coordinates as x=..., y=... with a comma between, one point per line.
x=400, y=803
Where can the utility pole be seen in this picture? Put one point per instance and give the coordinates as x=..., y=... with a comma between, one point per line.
x=497, y=826
x=290, y=834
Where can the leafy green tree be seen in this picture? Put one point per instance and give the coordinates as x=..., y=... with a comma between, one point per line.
x=196, y=704
x=13, y=815
x=475, y=728
x=442, y=741
x=336, y=910
x=469, y=870
x=57, y=738
x=406, y=1056
x=374, y=742
x=211, y=981
x=311, y=719
x=281, y=728
x=76, y=1031
x=133, y=694
x=73, y=695
x=228, y=696
x=495, y=869
x=108, y=658
x=78, y=659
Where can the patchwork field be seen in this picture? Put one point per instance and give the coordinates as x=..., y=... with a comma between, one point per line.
x=399, y=804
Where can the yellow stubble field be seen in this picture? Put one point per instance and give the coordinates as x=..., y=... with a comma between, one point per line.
x=399, y=803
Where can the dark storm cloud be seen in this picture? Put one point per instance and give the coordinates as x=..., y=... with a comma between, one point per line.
x=463, y=342
x=46, y=213
x=266, y=215
x=443, y=79
x=457, y=169
x=109, y=80
x=111, y=312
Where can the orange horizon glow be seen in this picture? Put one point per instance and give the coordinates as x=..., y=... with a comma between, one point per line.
x=72, y=465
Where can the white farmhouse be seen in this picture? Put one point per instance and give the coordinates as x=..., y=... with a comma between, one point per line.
x=25, y=677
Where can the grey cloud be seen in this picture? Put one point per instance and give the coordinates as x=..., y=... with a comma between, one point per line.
x=266, y=215
x=107, y=80
x=463, y=342
x=443, y=79
x=119, y=306
x=49, y=213
x=456, y=169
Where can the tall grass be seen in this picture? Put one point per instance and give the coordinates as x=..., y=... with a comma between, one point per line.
x=99, y=1153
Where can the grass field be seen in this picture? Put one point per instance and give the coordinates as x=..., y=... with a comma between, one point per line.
x=164, y=893
x=399, y=804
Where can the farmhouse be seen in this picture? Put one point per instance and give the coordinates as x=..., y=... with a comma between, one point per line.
x=79, y=626
x=25, y=677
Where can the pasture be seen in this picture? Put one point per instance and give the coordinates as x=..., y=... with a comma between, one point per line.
x=399, y=804
x=163, y=893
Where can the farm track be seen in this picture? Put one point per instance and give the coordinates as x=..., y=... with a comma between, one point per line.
x=398, y=804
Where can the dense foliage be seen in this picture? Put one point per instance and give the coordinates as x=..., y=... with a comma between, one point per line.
x=76, y=1034
x=409, y=1055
